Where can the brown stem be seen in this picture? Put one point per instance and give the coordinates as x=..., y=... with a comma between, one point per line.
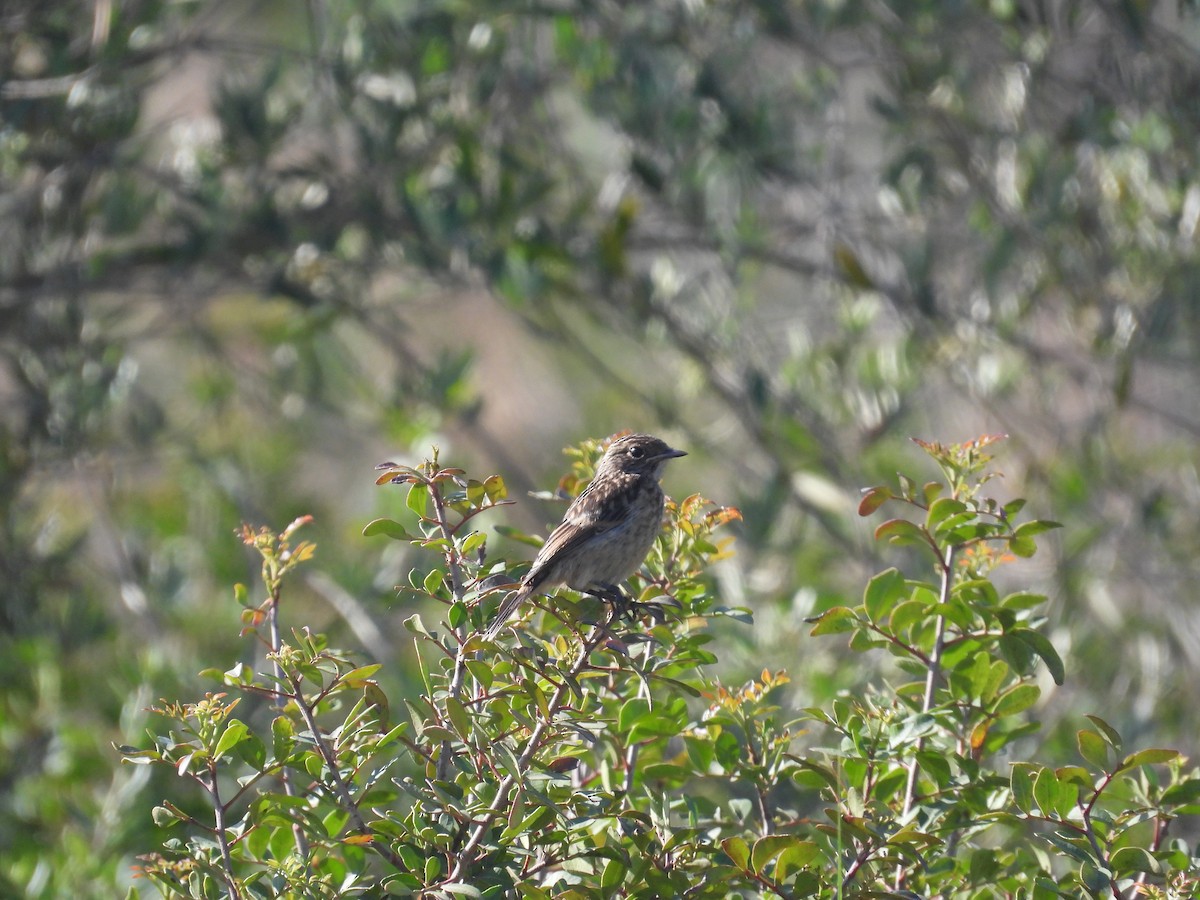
x=933, y=674
x=344, y=797
x=231, y=886
x=456, y=587
x=466, y=855
x=285, y=776
x=760, y=790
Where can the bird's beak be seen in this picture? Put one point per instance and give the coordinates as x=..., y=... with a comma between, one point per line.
x=671, y=454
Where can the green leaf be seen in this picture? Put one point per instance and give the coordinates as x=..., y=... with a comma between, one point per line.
x=1045, y=791
x=392, y=734
x=936, y=766
x=163, y=817
x=613, y=875
x=796, y=856
x=1186, y=792
x=811, y=773
x=1023, y=775
x=388, y=528
x=1148, y=757
x=458, y=717
x=1038, y=526
x=1012, y=507
x=458, y=888
x=418, y=499
x=1128, y=860
x=700, y=752
x=283, y=737
x=834, y=621
x=1074, y=775
x=767, y=848
x=1024, y=547
x=1040, y=644
x=520, y=537
x=1110, y=734
x=252, y=751
x=482, y=671
x=942, y=509
x=1054, y=797
x=728, y=750
x=631, y=712
x=436, y=733
x=737, y=850
x=662, y=771
x=1023, y=600
x=433, y=582
x=1095, y=881
x=883, y=592
x=144, y=760
x=473, y=541
x=1093, y=748
x=900, y=532
x=907, y=613
x=1017, y=699
x=356, y=677
x=233, y=733
x=475, y=492
x=414, y=624
x=495, y=488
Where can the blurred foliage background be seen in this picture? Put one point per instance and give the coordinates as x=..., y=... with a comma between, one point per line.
x=247, y=250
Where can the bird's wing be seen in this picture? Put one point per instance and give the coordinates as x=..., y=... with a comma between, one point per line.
x=602, y=506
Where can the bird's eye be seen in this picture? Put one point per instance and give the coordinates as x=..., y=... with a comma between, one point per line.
x=636, y=452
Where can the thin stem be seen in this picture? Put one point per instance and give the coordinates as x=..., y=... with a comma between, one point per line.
x=933, y=674
x=285, y=776
x=1090, y=832
x=466, y=855
x=340, y=787
x=456, y=586
x=760, y=789
x=231, y=886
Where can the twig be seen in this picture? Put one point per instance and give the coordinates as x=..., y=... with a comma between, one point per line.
x=933, y=674
x=456, y=587
x=345, y=799
x=466, y=855
x=231, y=886
x=285, y=777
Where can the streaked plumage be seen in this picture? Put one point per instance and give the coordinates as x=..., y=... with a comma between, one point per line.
x=607, y=531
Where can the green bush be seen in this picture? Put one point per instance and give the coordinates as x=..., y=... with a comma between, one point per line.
x=579, y=755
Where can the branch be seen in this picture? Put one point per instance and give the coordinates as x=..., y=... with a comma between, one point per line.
x=454, y=570
x=285, y=777
x=933, y=674
x=466, y=855
x=231, y=885
x=341, y=789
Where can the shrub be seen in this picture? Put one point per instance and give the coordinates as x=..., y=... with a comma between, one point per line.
x=579, y=755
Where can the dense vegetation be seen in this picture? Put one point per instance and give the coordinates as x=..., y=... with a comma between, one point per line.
x=250, y=250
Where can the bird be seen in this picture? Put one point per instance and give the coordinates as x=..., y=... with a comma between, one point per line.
x=606, y=532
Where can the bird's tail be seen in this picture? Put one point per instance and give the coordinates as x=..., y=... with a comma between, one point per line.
x=507, y=607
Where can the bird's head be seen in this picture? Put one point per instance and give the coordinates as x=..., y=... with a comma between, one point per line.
x=637, y=454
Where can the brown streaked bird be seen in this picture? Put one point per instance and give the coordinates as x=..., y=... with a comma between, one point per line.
x=607, y=531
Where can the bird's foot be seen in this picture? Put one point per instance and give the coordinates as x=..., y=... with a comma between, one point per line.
x=625, y=607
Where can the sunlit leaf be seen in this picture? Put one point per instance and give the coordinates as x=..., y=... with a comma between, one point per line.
x=737, y=850
x=388, y=528
x=873, y=498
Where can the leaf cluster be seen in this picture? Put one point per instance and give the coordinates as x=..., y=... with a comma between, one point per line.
x=595, y=757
